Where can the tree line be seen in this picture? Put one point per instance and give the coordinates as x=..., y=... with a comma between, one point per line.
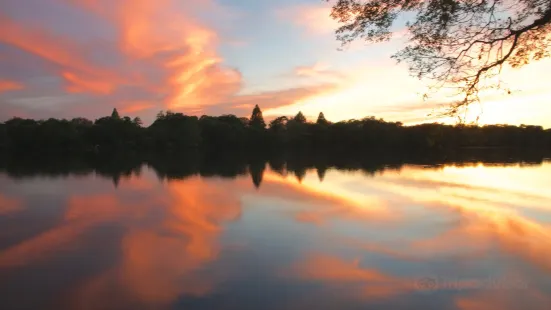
x=176, y=132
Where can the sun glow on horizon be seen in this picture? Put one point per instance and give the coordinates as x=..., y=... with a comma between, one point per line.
x=387, y=92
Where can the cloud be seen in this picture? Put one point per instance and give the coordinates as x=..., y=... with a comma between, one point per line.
x=313, y=70
x=319, y=71
x=315, y=19
x=183, y=47
x=349, y=278
x=81, y=85
x=495, y=299
x=153, y=261
x=244, y=103
x=154, y=48
x=6, y=85
x=137, y=106
x=69, y=57
x=9, y=205
x=156, y=56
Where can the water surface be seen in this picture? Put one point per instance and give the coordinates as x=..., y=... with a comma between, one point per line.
x=409, y=236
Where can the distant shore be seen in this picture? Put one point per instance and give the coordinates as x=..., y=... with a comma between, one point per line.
x=176, y=132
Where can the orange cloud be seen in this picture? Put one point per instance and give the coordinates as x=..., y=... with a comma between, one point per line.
x=6, y=85
x=314, y=70
x=160, y=49
x=316, y=19
x=497, y=300
x=98, y=208
x=61, y=52
x=351, y=278
x=160, y=260
x=83, y=213
x=332, y=201
x=167, y=238
x=320, y=71
x=80, y=84
x=42, y=246
x=242, y=105
x=136, y=106
x=158, y=267
x=9, y=205
x=157, y=32
x=481, y=196
x=310, y=217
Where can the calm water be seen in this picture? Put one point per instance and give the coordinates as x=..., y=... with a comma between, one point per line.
x=474, y=236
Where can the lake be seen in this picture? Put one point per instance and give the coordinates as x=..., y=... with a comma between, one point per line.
x=265, y=235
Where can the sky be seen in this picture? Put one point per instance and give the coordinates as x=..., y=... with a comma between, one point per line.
x=82, y=58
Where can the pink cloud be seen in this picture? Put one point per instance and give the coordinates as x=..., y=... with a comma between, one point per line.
x=171, y=39
x=6, y=85
x=343, y=275
x=137, y=106
x=242, y=105
x=157, y=56
x=60, y=51
x=160, y=55
x=319, y=71
x=9, y=205
x=315, y=19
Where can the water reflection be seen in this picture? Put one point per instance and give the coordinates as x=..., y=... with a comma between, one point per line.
x=286, y=232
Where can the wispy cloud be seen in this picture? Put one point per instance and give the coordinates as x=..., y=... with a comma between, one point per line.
x=7, y=85
x=319, y=71
x=315, y=19
x=155, y=47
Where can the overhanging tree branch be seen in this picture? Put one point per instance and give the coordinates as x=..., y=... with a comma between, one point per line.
x=457, y=44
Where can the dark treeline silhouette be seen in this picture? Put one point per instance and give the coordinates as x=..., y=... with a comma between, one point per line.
x=176, y=131
x=119, y=166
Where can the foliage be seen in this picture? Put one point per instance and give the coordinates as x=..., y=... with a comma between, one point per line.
x=299, y=118
x=176, y=131
x=257, y=120
x=321, y=120
x=115, y=114
x=459, y=44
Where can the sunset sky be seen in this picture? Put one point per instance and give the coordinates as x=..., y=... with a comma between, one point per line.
x=69, y=58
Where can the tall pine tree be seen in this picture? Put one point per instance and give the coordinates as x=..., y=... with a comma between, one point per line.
x=115, y=114
x=299, y=118
x=257, y=120
x=321, y=119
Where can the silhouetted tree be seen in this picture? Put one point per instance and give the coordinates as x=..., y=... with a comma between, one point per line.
x=244, y=121
x=160, y=115
x=278, y=130
x=225, y=131
x=257, y=120
x=137, y=121
x=176, y=131
x=321, y=120
x=115, y=114
x=299, y=118
x=80, y=121
x=279, y=123
x=3, y=136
